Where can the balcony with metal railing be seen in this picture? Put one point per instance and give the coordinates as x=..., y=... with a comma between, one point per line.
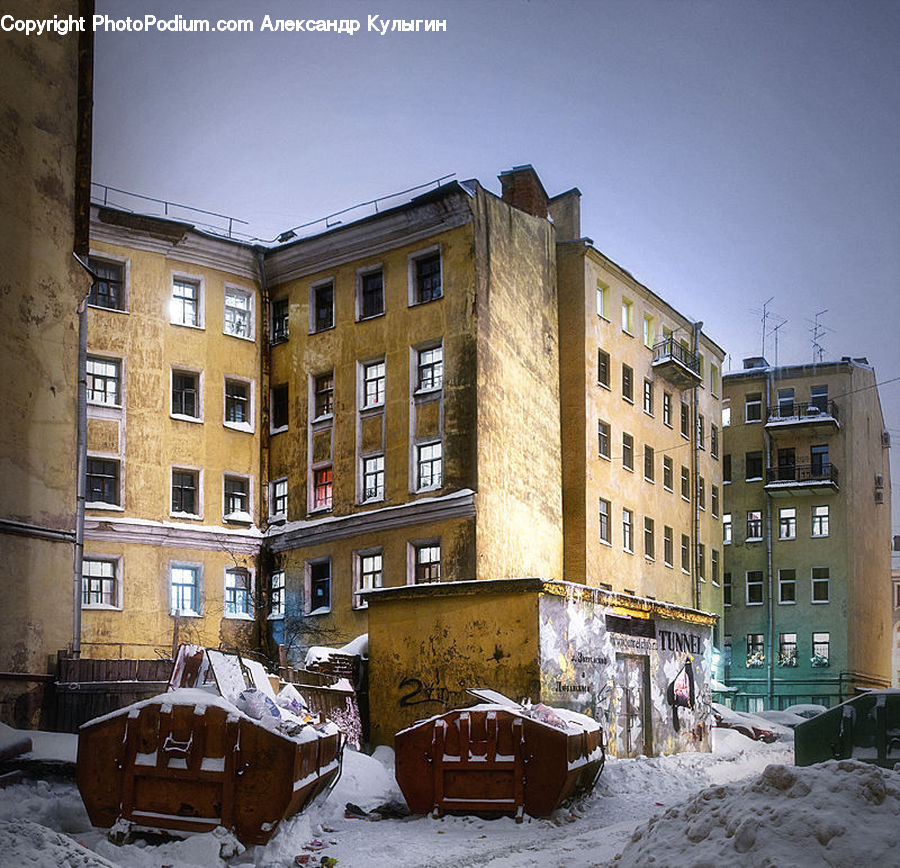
x=676, y=363
x=806, y=414
x=802, y=479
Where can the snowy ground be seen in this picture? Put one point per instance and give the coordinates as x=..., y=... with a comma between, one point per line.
x=719, y=809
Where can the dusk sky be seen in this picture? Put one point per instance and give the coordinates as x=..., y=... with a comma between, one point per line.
x=727, y=152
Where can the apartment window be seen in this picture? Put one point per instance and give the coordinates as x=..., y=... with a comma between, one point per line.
x=685, y=483
x=715, y=500
x=787, y=586
x=628, y=451
x=627, y=528
x=319, y=586
x=427, y=562
x=603, y=436
x=756, y=650
x=685, y=421
x=373, y=384
x=787, y=649
x=649, y=331
x=785, y=403
x=99, y=585
x=186, y=394
x=430, y=369
x=103, y=383
x=726, y=589
x=237, y=402
x=108, y=289
x=667, y=472
x=667, y=409
x=648, y=397
x=102, y=481
x=818, y=458
x=685, y=553
x=754, y=524
x=754, y=587
x=726, y=528
x=701, y=431
x=279, y=407
x=820, y=578
x=238, y=317
x=627, y=383
x=753, y=466
x=701, y=493
x=714, y=441
x=818, y=397
x=820, y=521
x=701, y=561
x=627, y=316
x=603, y=368
x=429, y=466
x=602, y=300
x=371, y=294
x=323, y=307
x=604, y=511
x=726, y=413
x=821, y=648
x=787, y=522
x=714, y=566
x=373, y=477
x=237, y=593
x=370, y=574
x=649, y=538
x=276, y=594
x=726, y=468
x=278, y=498
x=726, y=652
x=649, y=470
x=668, y=546
x=280, y=320
x=184, y=307
x=323, y=487
x=714, y=380
x=185, y=492
x=323, y=395
x=184, y=585
x=753, y=407
x=237, y=499
x=428, y=278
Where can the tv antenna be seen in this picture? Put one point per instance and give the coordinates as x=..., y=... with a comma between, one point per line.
x=818, y=332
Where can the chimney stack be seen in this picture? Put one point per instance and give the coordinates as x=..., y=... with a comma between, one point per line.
x=522, y=188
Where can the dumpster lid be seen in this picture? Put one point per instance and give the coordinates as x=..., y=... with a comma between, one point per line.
x=485, y=694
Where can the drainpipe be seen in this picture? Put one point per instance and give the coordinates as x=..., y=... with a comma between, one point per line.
x=264, y=377
x=770, y=581
x=695, y=464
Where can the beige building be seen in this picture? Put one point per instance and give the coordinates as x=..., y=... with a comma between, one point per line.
x=807, y=526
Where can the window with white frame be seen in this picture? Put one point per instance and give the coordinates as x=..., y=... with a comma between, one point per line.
x=701, y=562
x=185, y=592
x=319, y=579
x=185, y=492
x=701, y=431
x=756, y=650
x=278, y=418
x=276, y=594
x=685, y=553
x=714, y=566
x=714, y=441
x=278, y=499
x=426, y=272
x=685, y=421
x=667, y=473
x=685, y=483
x=627, y=451
x=104, y=381
x=603, y=435
x=370, y=301
x=238, y=317
x=627, y=316
x=649, y=331
x=236, y=499
x=603, y=368
x=818, y=397
x=369, y=575
x=605, y=517
x=322, y=307
x=185, y=304
x=668, y=546
x=714, y=500
x=426, y=562
x=787, y=649
x=701, y=493
x=787, y=586
x=787, y=522
x=238, y=407
x=649, y=464
x=323, y=395
x=754, y=524
x=628, y=383
x=726, y=413
x=373, y=385
x=186, y=397
x=726, y=528
x=430, y=369
x=714, y=380
x=754, y=587
x=821, y=649
x=667, y=409
x=753, y=407
x=628, y=530
x=237, y=592
x=429, y=466
x=648, y=397
x=649, y=538
x=820, y=580
x=280, y=320
x=323, y=487
x=99, y=582
x=102, y=477
x=602, y=300
x=753, y=466
x=373, y=477
x=108, y=288
x=820, y=520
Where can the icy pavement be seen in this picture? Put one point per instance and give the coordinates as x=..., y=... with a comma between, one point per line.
x=707, y=807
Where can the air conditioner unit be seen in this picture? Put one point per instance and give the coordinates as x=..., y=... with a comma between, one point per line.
x=886, y=438
x=879, y=480
x=879, y=497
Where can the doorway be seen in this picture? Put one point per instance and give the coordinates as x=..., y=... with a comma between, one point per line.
x=633, y=728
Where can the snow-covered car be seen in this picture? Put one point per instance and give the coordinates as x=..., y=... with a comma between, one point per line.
x=782, y=718
x=806, y=710
x=749, y=725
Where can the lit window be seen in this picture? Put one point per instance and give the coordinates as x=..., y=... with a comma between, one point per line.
x=627, y=315
x=602, y=300
x=787, y=586
x=668, y=546
x=787, y=522
x=787, y=649
x=370, y=574
x=99, y=586
x=237, y=402
x=279, y=418
x=754, y=587
x=726, y=413
x=754, y=524
x=428, y=278
x=667, y=472
x=323, y=307
x=276, y=594
x=430, y=369
x=238, y=319
x=323, y=386
x=278, y=498
x=649, y=331
x=184, y=584
x=820, y=521
x=186, y=394
x=649, y=464
x=649, y=538
x=820, y=579
x=714, y=380
x=184, y=308
x=323, y=482
x=429, y=466
x=103, y=381
x=237, y=592
x=108, y=288
x=605, y=535
x=648, y=397
x=319, y=586
x=627, y=530
x=726, y=528
x=373, y=478
x=373, y=384
x=627, y=383
x=371, y=294
x=756, y=650
x=280, y=320
x=821, y=646
x=603, y=435
x=102, y=481
x=185, y=492
x=427, y=563
x=628, y=451
x=753, y=407
x=236, y=499
x=603, y=368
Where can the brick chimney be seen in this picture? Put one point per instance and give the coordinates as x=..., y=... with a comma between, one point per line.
x=522, y=188
x=565, y=211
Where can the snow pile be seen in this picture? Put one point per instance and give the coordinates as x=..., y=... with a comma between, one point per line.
x=835, y=813
x=28, y=844
x=355, y=647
